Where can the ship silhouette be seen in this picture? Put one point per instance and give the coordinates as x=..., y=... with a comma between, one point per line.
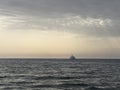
x=72, y=57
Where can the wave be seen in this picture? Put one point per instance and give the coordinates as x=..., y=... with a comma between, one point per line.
x=60, y=85
x=103, y=88
x=60, y=77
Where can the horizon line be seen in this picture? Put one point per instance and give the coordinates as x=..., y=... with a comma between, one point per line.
x=50, y=58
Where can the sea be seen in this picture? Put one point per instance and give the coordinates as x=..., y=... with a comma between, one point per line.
x=59, y=74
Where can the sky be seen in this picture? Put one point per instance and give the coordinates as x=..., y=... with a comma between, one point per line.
x=60, y=28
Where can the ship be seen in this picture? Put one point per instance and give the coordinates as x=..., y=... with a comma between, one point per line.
x=72, y=57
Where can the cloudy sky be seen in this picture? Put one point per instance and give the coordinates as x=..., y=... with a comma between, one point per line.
x=59, y=28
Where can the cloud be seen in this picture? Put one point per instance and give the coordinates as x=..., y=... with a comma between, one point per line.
x=92, y=27
x=95, y=18
x=56, y=8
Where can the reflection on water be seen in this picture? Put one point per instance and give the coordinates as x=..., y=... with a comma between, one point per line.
x=59, y=75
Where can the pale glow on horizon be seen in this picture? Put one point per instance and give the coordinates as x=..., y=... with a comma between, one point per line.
x=35, y=43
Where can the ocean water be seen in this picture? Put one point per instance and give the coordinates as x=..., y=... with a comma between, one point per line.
x=21, y=74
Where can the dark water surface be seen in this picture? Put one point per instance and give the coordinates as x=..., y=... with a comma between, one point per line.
x=59, y=74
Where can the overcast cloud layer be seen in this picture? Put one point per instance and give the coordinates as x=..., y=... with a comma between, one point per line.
x=92, y=8
x=99, y=18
